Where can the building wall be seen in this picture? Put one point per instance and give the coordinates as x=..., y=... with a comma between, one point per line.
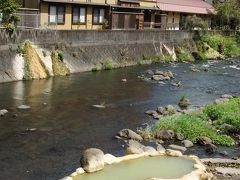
x=68, y=19
x=32, y=4
x=173, y=20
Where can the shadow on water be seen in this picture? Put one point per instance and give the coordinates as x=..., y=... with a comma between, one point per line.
x=66, y=123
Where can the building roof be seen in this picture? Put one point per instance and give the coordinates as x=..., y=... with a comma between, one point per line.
x=186, y=6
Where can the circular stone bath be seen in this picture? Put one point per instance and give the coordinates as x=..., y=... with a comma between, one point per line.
x=143, y=168
x=163, y=165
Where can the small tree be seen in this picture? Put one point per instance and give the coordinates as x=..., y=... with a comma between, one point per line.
x=194, y=22
x=8, y=8
x=228, y=14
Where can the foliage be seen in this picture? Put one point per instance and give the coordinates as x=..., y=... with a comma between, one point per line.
x=168, y=58
x=192, y=127
x=227, y=46
x=228, y=112
x=21, y=49
x=182, y=56
x=228, y=14
x=195, y=22
x=107, y=64
x=8, y=8
x=60, y=55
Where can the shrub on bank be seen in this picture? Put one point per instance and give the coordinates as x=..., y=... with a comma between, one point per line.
x=192, y=127
x=227, y=46
x=228, y=113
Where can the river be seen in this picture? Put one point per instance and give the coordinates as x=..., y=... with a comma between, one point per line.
x=63, y=123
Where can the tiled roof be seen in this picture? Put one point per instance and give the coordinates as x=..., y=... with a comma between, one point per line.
x=186, y=6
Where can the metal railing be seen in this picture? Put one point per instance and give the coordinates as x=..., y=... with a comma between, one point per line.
x=31, y=19
x=150, y=25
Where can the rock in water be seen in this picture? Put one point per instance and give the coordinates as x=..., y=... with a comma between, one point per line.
x=129, y=134
x=187, y=143
x=204, y=141
x=3, y=112
x=24, y=107
x=92, y=160
x=99, y=106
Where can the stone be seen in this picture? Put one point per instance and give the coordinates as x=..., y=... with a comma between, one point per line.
x=150, y=112
x=124, y=80
x=92, y=160
x=168, y=110
x=156, y=116
x=187, y=143
x=80, y=171
x=224, y=153
x=129, y=134
x=174, y=153
x=99, y=106
x=204, y=141
x=228, y=171
x=211, y=148
x=23, y=107
x=176, y=147
x=150, y=150
x=195, y=70
x=118, y=137
x=228, y=128
x=165, y=135
x=184, y=102
x=158, y=78
x=3, y=112
x=221, y=101
x=134, y=147
x=158, y=72
x=179, y=136
x=160, y=148
x=149, y=72
x=226, y=96
x=110, y=159
x=170, y=74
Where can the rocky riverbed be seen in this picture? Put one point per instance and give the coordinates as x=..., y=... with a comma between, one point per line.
x=46, y=140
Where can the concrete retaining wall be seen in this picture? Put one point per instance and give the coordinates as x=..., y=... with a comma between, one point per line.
x=83, y=50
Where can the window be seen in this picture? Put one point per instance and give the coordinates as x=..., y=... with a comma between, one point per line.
x=79, y=15
x=98, y=15
x=57, y=14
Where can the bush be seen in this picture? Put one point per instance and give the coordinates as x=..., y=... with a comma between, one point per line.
x=192, y=127
x=228, y=112
x=107, y=64
x=194, y=22
x=227, y=46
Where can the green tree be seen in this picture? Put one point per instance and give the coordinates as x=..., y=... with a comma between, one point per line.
x=228, y=14
x=8, y=8
x=193, y=22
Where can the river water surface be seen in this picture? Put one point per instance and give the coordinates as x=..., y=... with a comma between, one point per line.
x=46, y=141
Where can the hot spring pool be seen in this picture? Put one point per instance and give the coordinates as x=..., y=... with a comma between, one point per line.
x=164, y=167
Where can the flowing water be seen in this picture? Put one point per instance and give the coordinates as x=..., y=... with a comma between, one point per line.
x=143, y=168
x=46, y=141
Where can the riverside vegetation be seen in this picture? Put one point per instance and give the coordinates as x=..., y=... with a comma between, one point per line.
x=218, y=121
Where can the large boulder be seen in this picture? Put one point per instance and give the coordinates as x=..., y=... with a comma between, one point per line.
x=165, y=135
x=129, y=134
x=92, y=160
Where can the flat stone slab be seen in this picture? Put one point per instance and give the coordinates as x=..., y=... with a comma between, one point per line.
x=176, y=147
x=226, y=170
x=220, y=161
